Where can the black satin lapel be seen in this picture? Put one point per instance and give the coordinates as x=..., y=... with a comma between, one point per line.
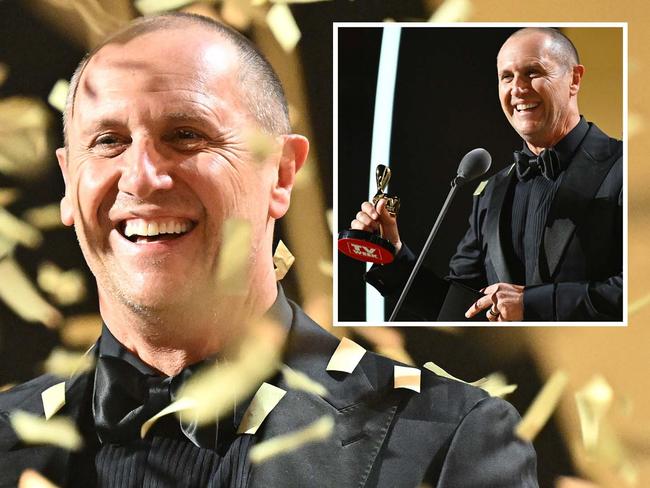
x=493, y=227
x=580, y=183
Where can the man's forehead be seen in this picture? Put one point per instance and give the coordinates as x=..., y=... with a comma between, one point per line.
x=526, y=48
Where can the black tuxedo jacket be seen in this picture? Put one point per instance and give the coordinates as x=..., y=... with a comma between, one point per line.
x=582, y=278
x=451, y=434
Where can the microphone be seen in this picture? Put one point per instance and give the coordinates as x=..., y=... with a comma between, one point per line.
x=474, y=164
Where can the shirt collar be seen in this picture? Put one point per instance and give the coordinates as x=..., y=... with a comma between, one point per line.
x=568, y=145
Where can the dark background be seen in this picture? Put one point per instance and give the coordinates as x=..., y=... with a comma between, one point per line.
x=446, y=104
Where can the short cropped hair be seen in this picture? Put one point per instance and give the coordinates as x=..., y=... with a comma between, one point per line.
x=261, y=88
x=564, y=50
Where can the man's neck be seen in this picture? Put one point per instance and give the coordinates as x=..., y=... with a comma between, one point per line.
x=537, y=147
x=171, y=339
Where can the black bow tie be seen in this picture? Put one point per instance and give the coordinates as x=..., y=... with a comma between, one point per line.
x=547, y=164
x=125, y=398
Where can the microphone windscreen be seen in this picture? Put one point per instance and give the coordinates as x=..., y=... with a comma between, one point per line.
x=474, y=164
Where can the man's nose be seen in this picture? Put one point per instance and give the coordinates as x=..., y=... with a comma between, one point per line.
x=519, y=86
x=145, y=170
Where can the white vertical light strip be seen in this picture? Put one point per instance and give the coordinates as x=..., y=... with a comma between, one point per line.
x=381, y=135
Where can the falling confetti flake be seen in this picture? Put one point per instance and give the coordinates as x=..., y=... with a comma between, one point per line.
x=283, y=26
x=57, y=431
x=318, y=430
x=452, y=11
x=232, y=271
x=542, y=407
x=59, y=94
x=283, y=260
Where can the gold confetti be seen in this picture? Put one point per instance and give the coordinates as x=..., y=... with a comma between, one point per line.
x=24, y=142
x=66, y=287
x=8, y=196
x=17, y=291
x=4, y=73
x=405, y=377
x=53, y=399
x=7, y=247
x=33, y=479
x=593, y=401
x=174, y=407
x=259, y=144
x=387, y=341
x=300, y=381
x=232, y=271
x=237, y=14
x=46, y=217
x=147, y=7
x=265, y=400
x=283, y=26
x=635, y=124
x=329, y=217
x=59, y=94
x=65, y=363
x=282, y=259
x=298, y=1
x=99, y=19
x=326, y=268
x=570, y=482
x=57, y=431
x=316, y=431
x=542, y=407
x=639, y=304
x=257, y=359
x=452, y=11
x=15, y=229
x=81, y=331
x=433, y=367
x=346, y=357
x=495, y=384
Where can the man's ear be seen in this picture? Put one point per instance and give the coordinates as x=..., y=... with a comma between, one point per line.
x=576, y=78
x=67, y=207
x=294, y=153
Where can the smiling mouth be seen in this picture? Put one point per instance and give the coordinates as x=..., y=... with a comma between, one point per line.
x=526, y=107
x=153, y=230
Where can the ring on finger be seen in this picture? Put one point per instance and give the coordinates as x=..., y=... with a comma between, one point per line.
x=493, y=311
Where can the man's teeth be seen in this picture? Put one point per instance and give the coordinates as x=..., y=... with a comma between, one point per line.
x=143, y=228
x=524, y=106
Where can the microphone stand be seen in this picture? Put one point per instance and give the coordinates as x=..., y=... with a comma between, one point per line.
x=455, y=184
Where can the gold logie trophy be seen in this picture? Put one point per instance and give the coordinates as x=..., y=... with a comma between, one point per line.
x=367, y=246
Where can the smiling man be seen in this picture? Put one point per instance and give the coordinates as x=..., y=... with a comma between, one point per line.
x=545, y=240
x=155, y=163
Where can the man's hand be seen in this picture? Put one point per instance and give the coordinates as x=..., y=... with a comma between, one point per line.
x=373, y=219
x=504, y=301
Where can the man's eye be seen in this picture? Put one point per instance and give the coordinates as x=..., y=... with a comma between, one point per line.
x=506, y=77
x=106, y=140
x=187, y=134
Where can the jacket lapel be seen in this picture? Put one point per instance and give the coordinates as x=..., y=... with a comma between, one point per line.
x=580, y=183
x=362, y=416
x=494, y=226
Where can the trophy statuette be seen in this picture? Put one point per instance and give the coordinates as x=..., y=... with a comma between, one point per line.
x=367, y=246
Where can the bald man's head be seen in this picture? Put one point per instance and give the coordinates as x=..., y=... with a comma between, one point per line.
x=260, y=85
x=560, y=46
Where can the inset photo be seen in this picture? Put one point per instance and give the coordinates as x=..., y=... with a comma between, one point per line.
x=480, y=174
